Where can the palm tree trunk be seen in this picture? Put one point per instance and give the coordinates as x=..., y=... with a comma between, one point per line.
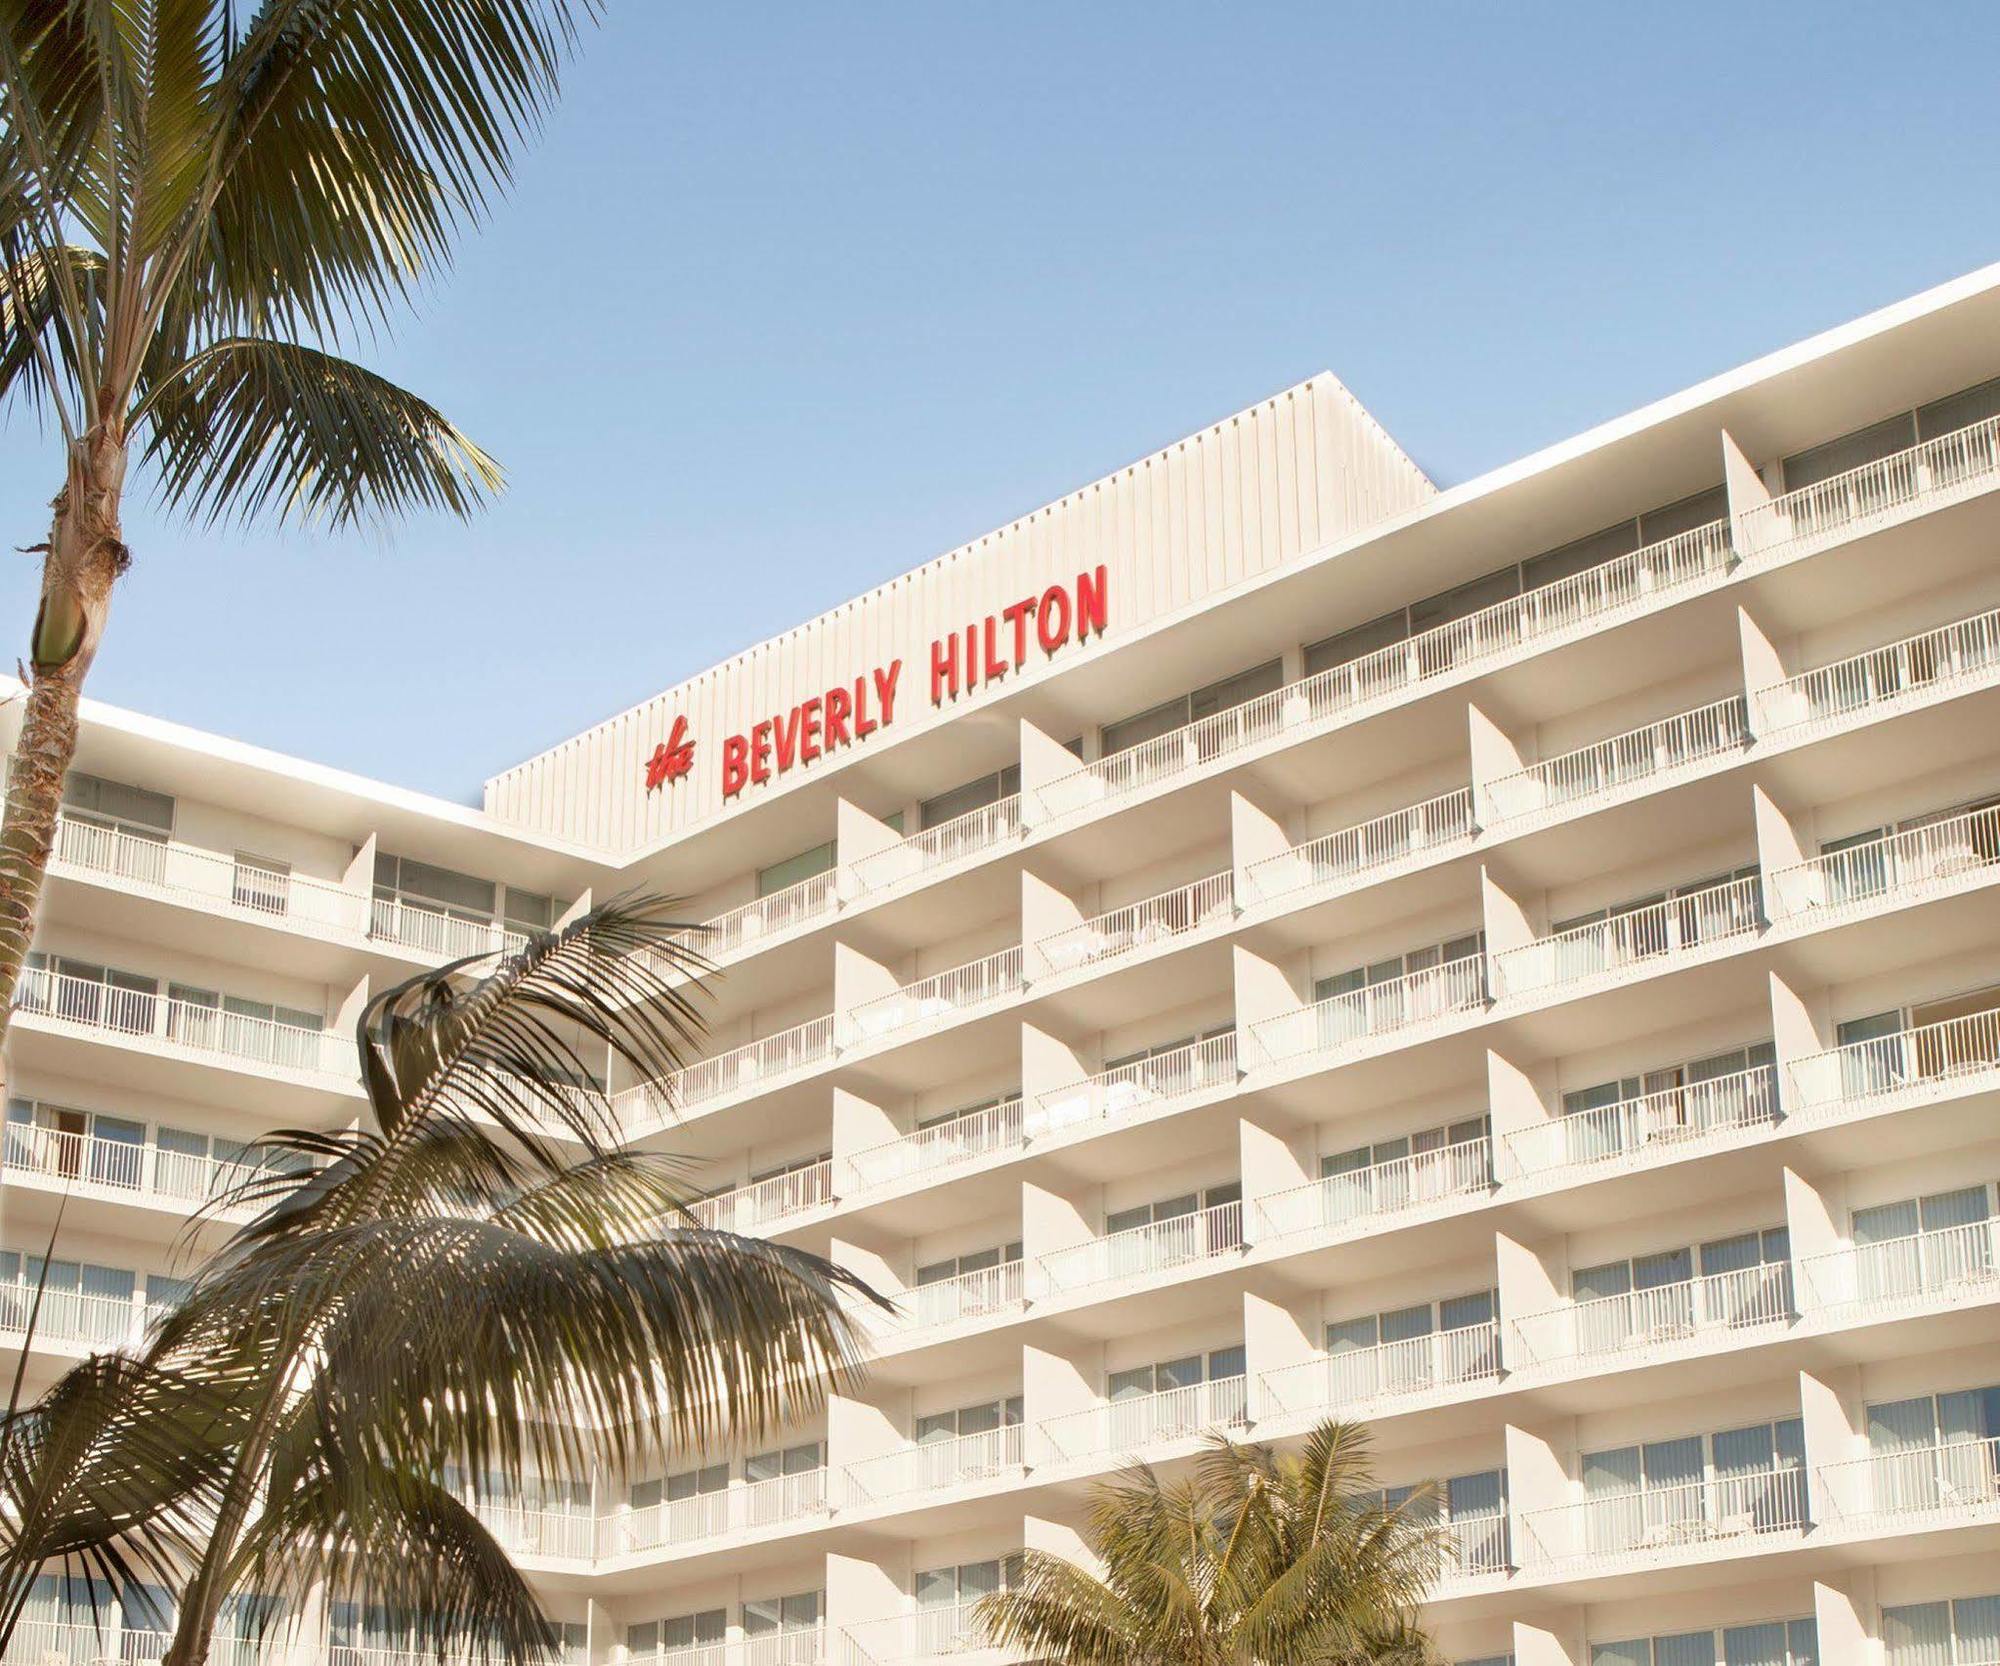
x=80, y=564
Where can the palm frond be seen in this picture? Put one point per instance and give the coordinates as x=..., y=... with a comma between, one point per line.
x=250, y=426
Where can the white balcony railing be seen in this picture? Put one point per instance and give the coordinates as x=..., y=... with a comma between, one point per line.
x=1659, y=1521
x=1653, y=1124
x=710, y=1515
x=558, y=1535
x=1952, y=1054
x=1660, y=1318
x=983, y=1293
x=208, y=878
x=1395, y=1187
x=104, y=1642
x=431, y=930
x=1950, y=1480
x=1138, y=925
x=89, y=1162
x=1940, y=856
x=1347, y=1022
x=943, y=1145
x=184, y=1025
x=965, y=835
x=929, y=1631
x=1121, y=1427
x=1152, y=1083
x=1949, y=1263
x=1603, y=767
x=737, y=929
x=1141, y=1251
x=802, y=1047
x=939, y=996
x=1415, y=1366
x=1582, y=602
x=1931, y=662
x=795, y=1645
x=747, y=1208
x=1928, y=476
x=937, y=1466
x=75, y=1318
x=1367, y=850
x=1477, y=1545
x=1611, y=947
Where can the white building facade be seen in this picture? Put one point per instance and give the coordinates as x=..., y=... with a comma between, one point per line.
x=1261, y=938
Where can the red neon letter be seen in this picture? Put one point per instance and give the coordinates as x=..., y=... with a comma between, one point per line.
x=885, y=688
x=809, y=730
x=735, y=765
x=1091, y=611
x=1052, y=619
x=1017, y=616
x=836, y=718
x=995, y=665
x=760, y=752
x=864, y=725
x=788, y=740
x=944, y=668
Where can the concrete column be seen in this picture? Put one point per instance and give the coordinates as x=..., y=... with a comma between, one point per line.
x=1849, y=1618
x=1763, y=668
x=857, y=834
x=1495, y=756
x=1830, y=1411
x=884, y=1266
x=1052, y=1385
x=1047, y=911
x=576, y=910
x=1276, y=1336
x=359, y=880
x=857, y=979
x=1508, y=925
x=860, y=1589
x=1816, y=1220
x=1272, y=1161
x=1257, y=835
x=857, y=1429
x=1747, y=492
x=1057, y=1538
x=1264, y=992
x=859, y=1125
x=1538, y=1480
x=1531, y=1280
x=1556, y=1641
x=1050, y=1221
x=1045, y=761
x=348, y=1014
x=1799, y=1032
x=1521, y=1102
x=1055, y=1088
x=1781, y=849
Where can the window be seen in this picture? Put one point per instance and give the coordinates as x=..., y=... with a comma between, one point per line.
x=1962, y=1632
x=1885, y=1050
x=85, y=993
x=112, y=804
x=967, y=1582
x=1397, y=967
x=981, y=1419
x=683, y=1484
x=1168, y=1400
x=80, y=1300
x=262, y=1030
x=1402, y=989
x=767, y=1615
x=529, y=912
x=1161, y=1050
x=795, y=870
x=74, y=1144
x=1923, y=1244
x=1957, y=1433
x=1744, y=1279
x=261, y=884
x=1473, y=1511
x=1673, y=1101
x=952, y=1289
x=1850, y=451
x=1223, y=695
x=1750, y=1479
x=802, y=1459
x=1774, y=1643
x=974, y=795
x=1415, y=1347
x=681, y=1631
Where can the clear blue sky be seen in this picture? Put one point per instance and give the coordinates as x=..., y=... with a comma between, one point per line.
x=791, y=298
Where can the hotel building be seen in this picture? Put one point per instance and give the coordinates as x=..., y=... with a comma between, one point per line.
x=1263, y=937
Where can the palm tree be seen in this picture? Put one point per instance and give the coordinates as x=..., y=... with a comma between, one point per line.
x=1254, y=1559
x=479, y=1280
x=198, y=199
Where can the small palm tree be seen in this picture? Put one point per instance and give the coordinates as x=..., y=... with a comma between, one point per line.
x=1255, y=1559
x=479, y=1280
x=198, y=200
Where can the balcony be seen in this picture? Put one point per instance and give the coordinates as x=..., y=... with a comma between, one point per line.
x=1654, y=1125
x=1399, y=1186
x=86, y=1163
x=208, y=879
x=741, y=928
x=775, y=1502
x=934, y=1466
x=84, y=1643
x=1956, y=1055
x=793, y=1646
x=431, y=931
x=802, y=1047
x=943, y=1145
x=985, y=1293
x=938, y=997
x=763, y=1202
x=1644, y=1324
x=962, y=836
x=1154, y=1083
x=72, y=1319
x=1128, y=1427
x=1365, y=853
x=1416, y=1368
x=1143, y=1251
x=1140, y=925
x=1658, y=1523
x=1935, y=859
x=1904, y=673
x=1946, y=1264
x=99, y=1009
x=1929, y=476
x=1625, y=943
x=930, y=1632
x=1598, y=772
x=1477, y=1547
x=1343, y=1025
x=1947, y=1483
x=554, y=1535
x=1583, y=602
